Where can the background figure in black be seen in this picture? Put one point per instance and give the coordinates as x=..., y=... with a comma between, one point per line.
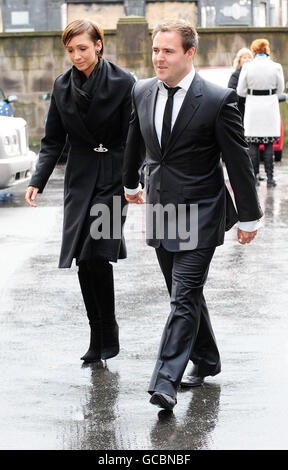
x=90, y=104
x=243, y=55
x=260, y=82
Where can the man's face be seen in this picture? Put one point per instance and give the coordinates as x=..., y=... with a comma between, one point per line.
x=170, y=62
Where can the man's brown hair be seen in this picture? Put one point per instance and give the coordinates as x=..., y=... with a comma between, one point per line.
x=184, y=28
x=76, y=27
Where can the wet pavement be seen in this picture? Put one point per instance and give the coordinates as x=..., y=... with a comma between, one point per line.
x=50, y=400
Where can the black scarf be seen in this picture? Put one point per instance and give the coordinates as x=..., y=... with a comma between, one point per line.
x=83, y=89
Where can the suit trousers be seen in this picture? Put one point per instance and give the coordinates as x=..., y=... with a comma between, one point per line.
x=188, y=333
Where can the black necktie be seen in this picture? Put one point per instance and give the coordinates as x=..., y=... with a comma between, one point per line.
x=167, y=117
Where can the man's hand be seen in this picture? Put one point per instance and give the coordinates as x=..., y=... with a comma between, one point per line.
x=136, y=198
x=245, y=237
x=31, y=196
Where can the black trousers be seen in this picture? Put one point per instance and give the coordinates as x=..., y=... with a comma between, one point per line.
x=188, y=333
x=97, y=287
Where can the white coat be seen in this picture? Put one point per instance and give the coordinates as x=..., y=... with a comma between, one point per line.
x=262, y=113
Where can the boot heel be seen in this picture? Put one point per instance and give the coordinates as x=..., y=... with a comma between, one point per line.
x=94, y=351
x=110, y=342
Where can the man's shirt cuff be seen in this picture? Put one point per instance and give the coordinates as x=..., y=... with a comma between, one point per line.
x=250, y=226
x=132, y=192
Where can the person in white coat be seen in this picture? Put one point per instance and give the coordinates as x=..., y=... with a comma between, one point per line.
x=260, y=81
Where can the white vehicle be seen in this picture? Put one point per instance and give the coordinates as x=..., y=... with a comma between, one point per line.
x=17, y=162
x=218, y=75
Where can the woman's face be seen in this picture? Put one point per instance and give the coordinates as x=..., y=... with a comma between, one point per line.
x=82, y=52
x=245, y=58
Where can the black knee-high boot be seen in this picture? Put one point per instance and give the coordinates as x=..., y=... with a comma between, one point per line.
x=93, y=353
x=103, y=283
x=97, y=275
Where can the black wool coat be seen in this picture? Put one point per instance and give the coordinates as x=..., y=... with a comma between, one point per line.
x=91, y=177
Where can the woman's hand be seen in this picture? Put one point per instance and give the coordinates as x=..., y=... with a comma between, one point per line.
x=30, y=196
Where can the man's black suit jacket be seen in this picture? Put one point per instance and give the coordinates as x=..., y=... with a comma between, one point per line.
x=190, y=171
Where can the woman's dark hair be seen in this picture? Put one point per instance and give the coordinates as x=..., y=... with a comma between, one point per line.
x=76, y=27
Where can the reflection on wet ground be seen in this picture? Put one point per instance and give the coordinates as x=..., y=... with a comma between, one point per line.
x=50, y=400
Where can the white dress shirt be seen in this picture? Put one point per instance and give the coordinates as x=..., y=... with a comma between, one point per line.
x=160, y=107
x=179, y=96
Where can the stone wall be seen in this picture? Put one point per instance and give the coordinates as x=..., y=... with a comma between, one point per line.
x=31, y=15
x=160, y=11
x=218, y=46
x=29, y=62
x=108, y=14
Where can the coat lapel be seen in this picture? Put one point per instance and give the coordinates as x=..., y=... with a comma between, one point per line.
x=73, y=116
x=79, y=124
x=190, y=105
x=151, y=98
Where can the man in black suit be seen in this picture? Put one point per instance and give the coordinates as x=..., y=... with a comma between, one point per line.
x=185, y=124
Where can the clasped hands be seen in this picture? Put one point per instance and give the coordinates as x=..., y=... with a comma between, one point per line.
x=136, y=198
x=243, y=236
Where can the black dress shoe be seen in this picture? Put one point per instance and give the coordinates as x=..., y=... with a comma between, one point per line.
x=192, y=381
x=271, y=183
x=163, y=401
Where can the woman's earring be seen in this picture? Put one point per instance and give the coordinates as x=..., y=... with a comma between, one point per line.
x=97, y=51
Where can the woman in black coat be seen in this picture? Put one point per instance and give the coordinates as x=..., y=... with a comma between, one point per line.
x=243, y=55
x=90, y=105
